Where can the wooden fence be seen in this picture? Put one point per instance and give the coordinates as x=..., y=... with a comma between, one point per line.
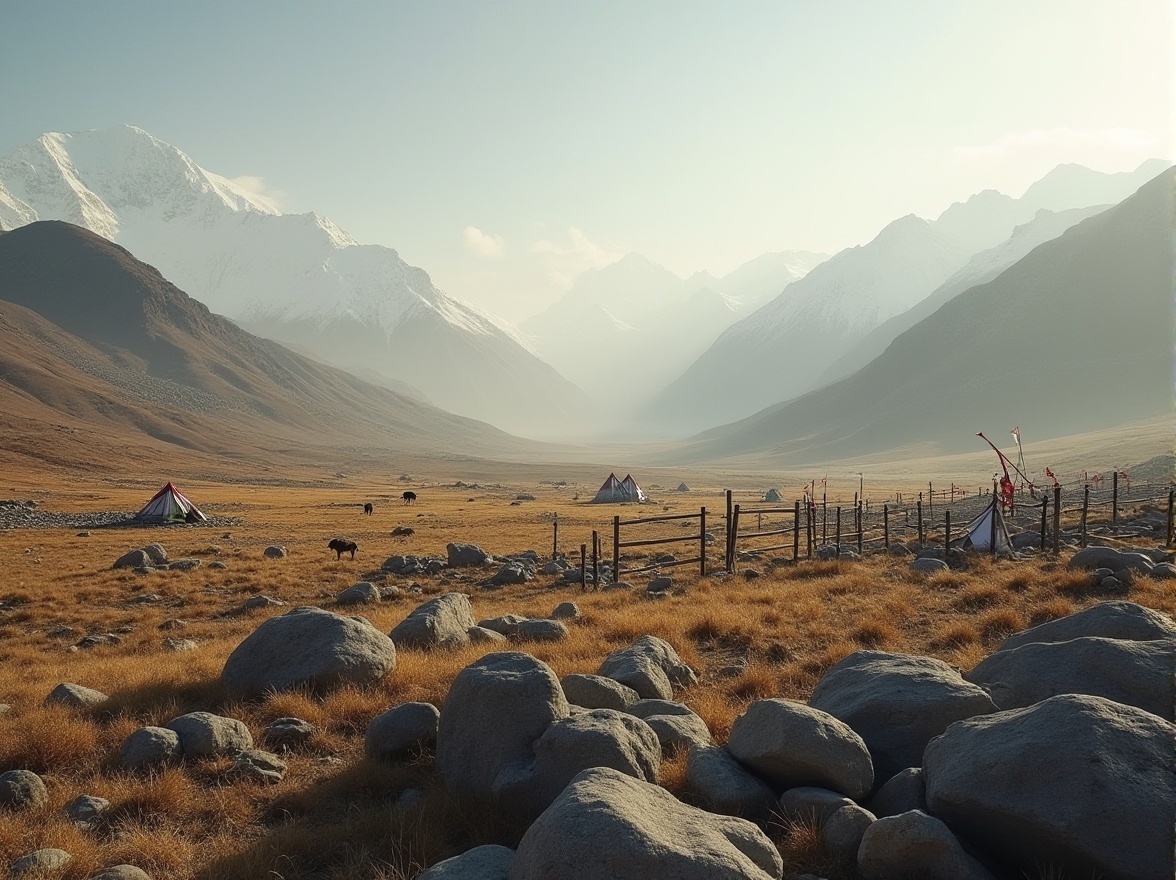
x=619, y=545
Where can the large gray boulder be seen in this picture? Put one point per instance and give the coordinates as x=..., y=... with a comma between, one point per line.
x=649, y=666
x=40, y=863
x=122, y=872
x=677, y=732
x=539, y=630
x=790, y=744
x=461, y=555
x=489, y=862
x=811, y=803
x=842, y=831
x=896, y=703
x=443, y=622
x=1110, y=620
x=361, y=593
x=496, y=709
x=1094, y=558
x=901, y=793
x=204, y=735
x=1076, y=781
x=506, y=624
x=599, y=738
x=74, y=696
x=649, y=708
x=597, y=692
x=723, y=786
x=149, y=746
x=609, y=826
x=309, y=647
x=1135, y=673
x=401, y=730
x=915, y=846
x=22, y=789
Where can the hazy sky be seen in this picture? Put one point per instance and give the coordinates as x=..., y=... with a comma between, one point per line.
x=507, y=146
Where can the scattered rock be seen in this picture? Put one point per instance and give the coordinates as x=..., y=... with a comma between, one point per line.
x=359, y=594
x=676, y=732
x=309, y=647
x=842, y=831
x=901, y=793
x=257, y=766
x=410, y=799
x=75, y=696
x=808, y=803
x=204, y=735
x=132, y=559
x=219, y=566
x=403, y=531
x=915, y=846
x=85, y=808
x=401, y=731
x=489, y=862
x=173, y=623
x=122, y=872
x=507, y=624
x=597, y=692
x=255, y=602
x=1110, y=620
x=149, y=746
x=929, y=565
x=274, y=552
x=288, y=733
x=462, y=555
x=184, y=565
x=443, y=622
x=649, y=666
x=725, y=787
x=22, y=790
x=566, y=611
x=649, y=708
x=41, y=862
x=512, y=573
x=179, y=646
x=542, y=631
x=482, y=636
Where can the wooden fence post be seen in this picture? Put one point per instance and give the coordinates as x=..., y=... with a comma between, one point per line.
x=1114, y=498
x=616, y=549
x=860, y=520
x=992, y=523
x=595, y=560
x=555, y=538
x=583, y=566
x=886, y=526
x=946, y=532
x=810, y=525
x=729, y=562
x=796, y=529
x=1171, y=517
x=1057, y=517
x=702, y=542
x=1085, y=510
x=919, y=508
x=734, y=539
x=839, y=530
x=824, y=520
x=930, y=501
x=1044, y=514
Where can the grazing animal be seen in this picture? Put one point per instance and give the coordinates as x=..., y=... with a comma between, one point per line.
x=367, y=508
x=340, y=547
x=409, y=497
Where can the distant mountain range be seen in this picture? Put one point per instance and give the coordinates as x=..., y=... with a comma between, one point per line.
x=298, y=279
x=795, y=343
x=1076, y=336
x=93, y=340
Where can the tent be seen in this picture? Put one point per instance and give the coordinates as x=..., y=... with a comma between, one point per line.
x=616, y=491
x=980, y=531
x=169, y=504
x=682, y=487
x=773, y=495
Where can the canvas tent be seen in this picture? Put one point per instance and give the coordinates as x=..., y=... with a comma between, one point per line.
x=981, y=531
x=616, y=491
x=682, y=487
x=169, y=504
x=773, y=495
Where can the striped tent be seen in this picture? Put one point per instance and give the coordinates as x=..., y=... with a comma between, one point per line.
x=170, y=505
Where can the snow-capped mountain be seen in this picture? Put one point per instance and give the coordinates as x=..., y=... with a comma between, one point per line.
x=296, y=278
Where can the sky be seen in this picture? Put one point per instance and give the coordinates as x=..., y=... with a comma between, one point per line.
x=508, y=146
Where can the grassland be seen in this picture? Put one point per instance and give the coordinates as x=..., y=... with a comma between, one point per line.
x=334, y=814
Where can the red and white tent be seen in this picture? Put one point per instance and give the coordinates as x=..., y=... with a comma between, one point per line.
x=615, y=491
x=170, y=505
x=989, y=532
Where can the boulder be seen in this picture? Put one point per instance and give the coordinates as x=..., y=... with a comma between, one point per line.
x=288, y=733
x=790, y=744
x=400, y=731
x=255, y=765
x=461, y=555
x=676, y=732
x=122, y=872
x=204, y=735
x=541, y=631
x=649, y=708
x=843, y=829
x=359, y=594
x=21, y=790
x=598, y=738
x=149, y=746
x=497, y=707
x=650, y=666
x=597, y=692
x=156, y=554
x=85, y=808
x=309, y=647
x=723, y=786
x=512, y=572
x=566, y=611
x=929, y=565
x=183, y=565
x=133, y=559
x=40, y=863
x=507, y=624
x=609, y=826
x=488, y=862
x=1092, y=558
x=443, y=622
x=75, y=696
x=896, y=703
x=901, y=793
x=915, y=846
x=1076, y=781
x=255, y=602
x=1134, y=673
x=274, y=552
x=482, y=636
x=809, y=803
x=1109, y=620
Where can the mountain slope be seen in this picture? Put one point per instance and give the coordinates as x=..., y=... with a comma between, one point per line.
x=91, y=333
x=1075, y=337
x=295, y=278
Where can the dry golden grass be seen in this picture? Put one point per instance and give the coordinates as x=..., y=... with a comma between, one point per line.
x=334, y=814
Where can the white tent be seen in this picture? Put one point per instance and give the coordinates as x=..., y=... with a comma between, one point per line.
x=981, y=530
x=616, y=491
x=632, y=490
x=773, y=495
x=169, y=504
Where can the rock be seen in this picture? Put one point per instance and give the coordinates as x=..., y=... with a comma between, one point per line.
x=149, y=746
x=511, y=573
x=274, y=552
x=74, y=696
x=309, y=647
x=842, y=831
x=257, y=766
x=566, y=611
x=649, y=708
x=400, y=731
x=156, y=554
x=122, y=872
x=40, y=862
x=555, y=567
x=488, y=862
x=649, y=666
x=542, y=631
x=481, y=636
x=403, y=531
x=410, y=799
x=461, y=555
x=204, y=735
x=173, y=623
x=288, y=733
x=609, y=826
x=218, y=565
x=22, y=790
x=790, y=744
x=929, y=565
x=1110, y=620
x=496, y=709
x=183, y=565
x=676, y=732
x=1067, y=782
x=660, y=584
x=901, y=793
x=1164, y=571
x=179, y=646
x=896, y=703
x=507, y=624
x=133, y=559
x=808, y=803
x=915, y=846
x=443, y=622
x=598, y=738
x=85, y=808
x=725, y=787
x=359, y=594
x=255, y=602
x=597, y=692
x=1133, y=673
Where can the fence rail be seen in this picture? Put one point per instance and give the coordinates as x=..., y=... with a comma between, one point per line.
x=619, y=545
